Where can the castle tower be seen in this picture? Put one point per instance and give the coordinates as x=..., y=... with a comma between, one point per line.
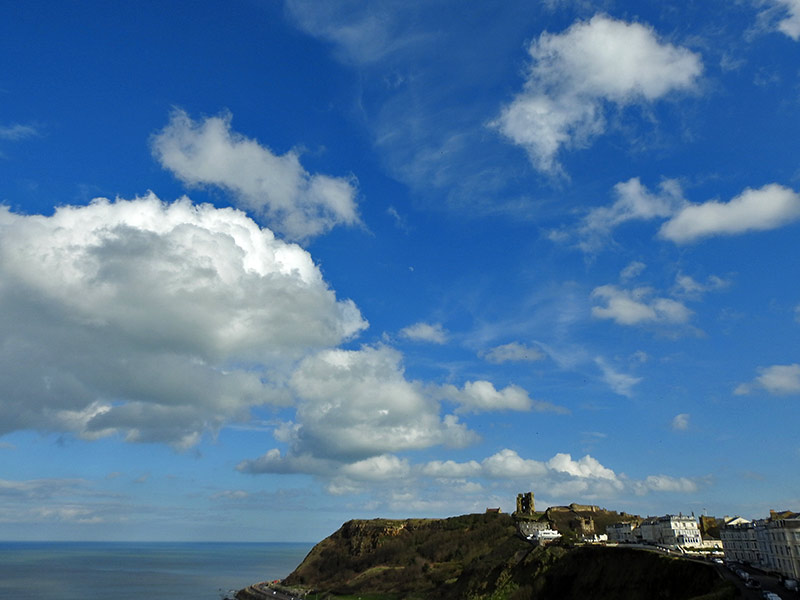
x=525, y=505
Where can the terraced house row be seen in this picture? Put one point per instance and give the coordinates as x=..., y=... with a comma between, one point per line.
x=772, y=544
x=669, y=530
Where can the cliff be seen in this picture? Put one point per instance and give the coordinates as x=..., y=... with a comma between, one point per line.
x=481, y=557
x=419, y=556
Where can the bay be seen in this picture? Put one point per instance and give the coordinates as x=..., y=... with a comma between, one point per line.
x=140, y=571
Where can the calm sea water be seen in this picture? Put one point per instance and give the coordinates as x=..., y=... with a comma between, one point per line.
x=139, y=571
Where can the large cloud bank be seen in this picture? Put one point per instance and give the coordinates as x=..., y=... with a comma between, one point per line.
x=158, y=321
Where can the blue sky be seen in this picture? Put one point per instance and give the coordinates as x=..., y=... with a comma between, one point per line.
x=268, y=266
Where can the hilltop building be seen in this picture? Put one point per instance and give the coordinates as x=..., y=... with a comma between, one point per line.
x=544, y=536
x=525, y=505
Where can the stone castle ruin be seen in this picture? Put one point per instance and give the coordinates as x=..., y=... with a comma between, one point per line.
x=525, y=505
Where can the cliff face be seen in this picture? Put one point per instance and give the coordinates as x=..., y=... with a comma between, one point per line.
x=481, y=557
x=403, y=557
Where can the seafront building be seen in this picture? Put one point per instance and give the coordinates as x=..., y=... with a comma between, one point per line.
x=772, y=544
x=669, y=530
x=739, y=541
x=622, y=533
x=680, y=530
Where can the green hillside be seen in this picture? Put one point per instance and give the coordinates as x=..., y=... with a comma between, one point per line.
x=481, y=557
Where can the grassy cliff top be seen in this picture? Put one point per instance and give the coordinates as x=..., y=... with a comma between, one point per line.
x=481, y=557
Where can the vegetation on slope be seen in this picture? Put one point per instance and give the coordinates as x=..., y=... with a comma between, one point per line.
x=618, y=573
x=481, y=557
x=415, y=556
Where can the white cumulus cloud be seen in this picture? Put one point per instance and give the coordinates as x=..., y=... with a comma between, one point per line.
x=637, y=306
x=681, y=422
x=159, y=321
x=508, y=464
x=768, y=207
x=779, y=380
x=354, y=405
x=482, y=396
x=451, y=469
x=377, y=468
x=575, y=73
x=297, y=203
x=586, y=467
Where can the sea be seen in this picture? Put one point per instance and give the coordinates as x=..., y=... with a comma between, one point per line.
x=140, y=571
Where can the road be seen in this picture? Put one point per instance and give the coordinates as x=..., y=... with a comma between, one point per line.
x=767, y=583
x=263, y=591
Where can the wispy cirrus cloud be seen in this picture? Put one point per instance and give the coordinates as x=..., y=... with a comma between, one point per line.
x=434, y=333
x=633, y=202
x=361, y=37
x=666, y=483
x=512, y=352
x=17, y=132
x=688, y=287
x=621, y=383
x=781, y=15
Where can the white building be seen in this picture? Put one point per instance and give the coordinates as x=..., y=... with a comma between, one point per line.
x=739, y=541
x=622, y=533
x=781, y=544
x=671, y=530
x=772, y=544
x=543, y=536
x=528, y=528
